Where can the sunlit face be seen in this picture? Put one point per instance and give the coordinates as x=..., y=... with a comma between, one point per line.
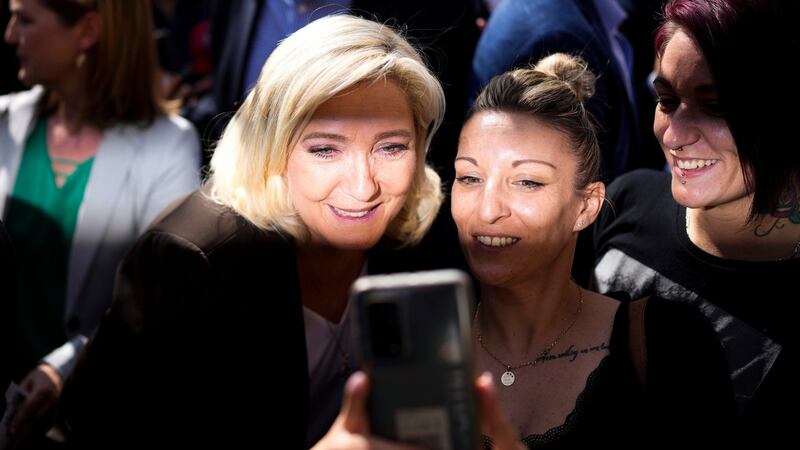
x=353, y=166
x=46, y=48
x=514, y=199
x=693, y=133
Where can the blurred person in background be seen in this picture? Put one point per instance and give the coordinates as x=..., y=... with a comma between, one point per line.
x=88, y=157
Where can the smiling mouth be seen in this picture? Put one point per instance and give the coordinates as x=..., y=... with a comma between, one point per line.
x=497, y=241
x=694, y=164
x=354, y=213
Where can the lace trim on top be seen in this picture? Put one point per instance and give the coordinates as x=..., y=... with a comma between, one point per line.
x=559, y=431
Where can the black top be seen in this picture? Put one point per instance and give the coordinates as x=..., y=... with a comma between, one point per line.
x=687, y=391
x=644, y=248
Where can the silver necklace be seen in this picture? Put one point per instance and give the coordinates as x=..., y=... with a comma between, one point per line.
x=509, y=376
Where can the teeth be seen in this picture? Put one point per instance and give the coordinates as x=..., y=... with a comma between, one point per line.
x=494, y=241
x=355, y=214
x=690, y=164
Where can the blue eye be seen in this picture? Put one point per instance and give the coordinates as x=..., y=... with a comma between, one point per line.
x=393, y=150
x=323, y=152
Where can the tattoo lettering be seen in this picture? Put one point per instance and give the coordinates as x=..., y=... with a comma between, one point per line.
x=572, y=353
x=788, y=207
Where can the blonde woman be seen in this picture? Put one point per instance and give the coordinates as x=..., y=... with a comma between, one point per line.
x=230, y=318
x=88, y=157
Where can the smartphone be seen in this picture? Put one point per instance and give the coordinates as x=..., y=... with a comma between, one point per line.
x=414, y=331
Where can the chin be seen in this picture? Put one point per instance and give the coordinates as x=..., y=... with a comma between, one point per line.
x=353, y=242
x=494, y=275
x=684, y=198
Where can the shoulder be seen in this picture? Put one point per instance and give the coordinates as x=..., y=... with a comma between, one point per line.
x=23, y=102
x=678, y=328
x=169, y=142
x=170, y=129
x=639, y=184
x=199, y=222
x=542, y=14
x=14, y=100
x=636, y=194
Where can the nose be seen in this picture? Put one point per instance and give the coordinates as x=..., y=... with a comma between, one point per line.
x=361, y=180
x=10, y=34
x=681, y=128
x=493, y=207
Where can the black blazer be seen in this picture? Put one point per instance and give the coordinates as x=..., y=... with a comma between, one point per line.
x=204, y=342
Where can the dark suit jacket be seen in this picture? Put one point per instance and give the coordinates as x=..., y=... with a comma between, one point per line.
x=521, y=32
x=205, y=340
x=7, y=286
x=203, y=345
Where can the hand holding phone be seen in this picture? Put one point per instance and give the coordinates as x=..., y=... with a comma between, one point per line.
x=415, y=335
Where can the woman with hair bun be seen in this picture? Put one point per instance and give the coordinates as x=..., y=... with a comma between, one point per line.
x=573, y=368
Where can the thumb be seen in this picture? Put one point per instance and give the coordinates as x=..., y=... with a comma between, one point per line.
x=493, y=420
x=28, y=384
x=354, y=406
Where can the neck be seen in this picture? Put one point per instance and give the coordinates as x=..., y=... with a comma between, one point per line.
x=726, y=233
x=519, y=320
x=325, y=286
x=71, y=100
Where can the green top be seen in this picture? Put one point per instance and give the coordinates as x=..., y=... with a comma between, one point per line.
x=41, y=219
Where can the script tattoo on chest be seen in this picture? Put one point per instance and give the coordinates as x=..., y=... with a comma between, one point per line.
x=571, y=353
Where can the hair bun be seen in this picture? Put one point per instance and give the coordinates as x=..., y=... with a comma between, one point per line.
x=571, y=70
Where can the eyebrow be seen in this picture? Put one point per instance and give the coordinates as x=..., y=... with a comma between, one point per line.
x=340, y=138
x=467, y=159
x=526, y=161
x=702, y=89
x=319, y=135
x=393, y=133
x=513, y=164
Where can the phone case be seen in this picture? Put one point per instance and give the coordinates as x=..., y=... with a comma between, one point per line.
x=416, y=345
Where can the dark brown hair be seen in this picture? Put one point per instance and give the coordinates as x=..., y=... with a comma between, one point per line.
x=747, y=44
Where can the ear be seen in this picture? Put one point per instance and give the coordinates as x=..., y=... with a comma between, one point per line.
x=593, y=196
x=91, y=26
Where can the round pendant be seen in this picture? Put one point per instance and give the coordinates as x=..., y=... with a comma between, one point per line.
x=508, y=378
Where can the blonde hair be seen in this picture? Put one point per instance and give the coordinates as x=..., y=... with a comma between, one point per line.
x=319, y=61
x=553, y=91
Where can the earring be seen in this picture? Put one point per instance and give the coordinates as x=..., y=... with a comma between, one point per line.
x=80, y=60
x=580, y=225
